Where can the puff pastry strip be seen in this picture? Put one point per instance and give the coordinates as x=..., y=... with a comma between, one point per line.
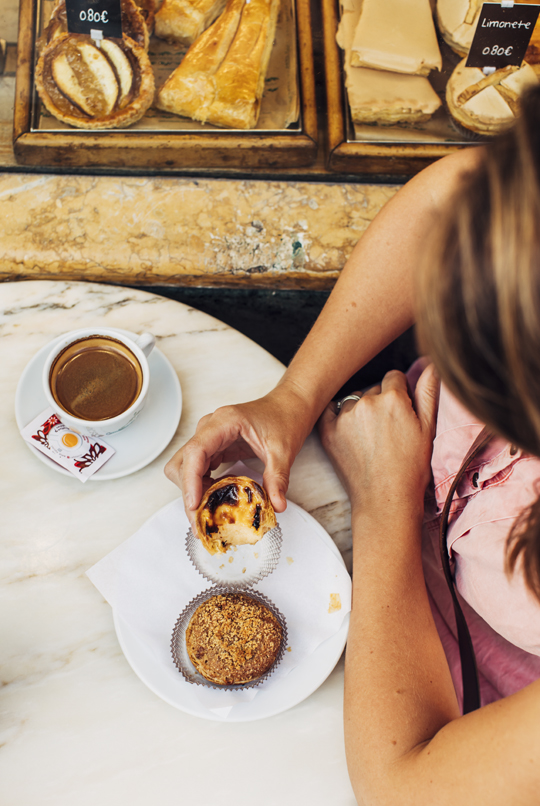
x=221, y=78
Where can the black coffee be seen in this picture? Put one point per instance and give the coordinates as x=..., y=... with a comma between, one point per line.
x=96, y=378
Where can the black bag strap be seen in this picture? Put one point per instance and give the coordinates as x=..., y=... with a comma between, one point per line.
x=469, y=672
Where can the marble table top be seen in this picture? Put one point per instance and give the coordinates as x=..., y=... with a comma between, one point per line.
x=77, y=725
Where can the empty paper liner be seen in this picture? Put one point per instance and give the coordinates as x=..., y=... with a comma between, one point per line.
x=240, y=566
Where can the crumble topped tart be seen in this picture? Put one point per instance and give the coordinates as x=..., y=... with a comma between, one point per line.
x=232, y=639
x=234, y=511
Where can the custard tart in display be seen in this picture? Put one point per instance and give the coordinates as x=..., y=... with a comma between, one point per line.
x=233, y=638
x=487, y=104
x=134, y=25
x=234, y=511
x=93, y=87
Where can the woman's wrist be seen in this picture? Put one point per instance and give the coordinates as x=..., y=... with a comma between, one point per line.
x=386, y=521
x=291, y=392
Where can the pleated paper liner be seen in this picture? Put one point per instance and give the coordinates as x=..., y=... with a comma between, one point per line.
x=178, y=640
x=241, y=566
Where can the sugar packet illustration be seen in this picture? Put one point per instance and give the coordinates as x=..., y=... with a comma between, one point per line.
x=82, y=456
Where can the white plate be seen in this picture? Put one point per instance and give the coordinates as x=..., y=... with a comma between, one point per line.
x=137, y=445
x=279, y=695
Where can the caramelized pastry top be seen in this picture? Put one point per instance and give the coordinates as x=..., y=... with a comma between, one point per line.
x=91, y=87
x=234, y=511
x=233, y=638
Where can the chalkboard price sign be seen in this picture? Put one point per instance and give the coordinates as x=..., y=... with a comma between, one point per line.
x=502, y=35
x=97, y=18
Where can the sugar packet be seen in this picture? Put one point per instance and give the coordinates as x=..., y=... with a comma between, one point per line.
x=81, y=455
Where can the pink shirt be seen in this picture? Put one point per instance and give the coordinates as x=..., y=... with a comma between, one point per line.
x=502, y=614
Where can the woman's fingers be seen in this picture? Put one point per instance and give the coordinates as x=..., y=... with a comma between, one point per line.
x=234, y=433
x=193, y=462
x=373, y=390
x=394, y=380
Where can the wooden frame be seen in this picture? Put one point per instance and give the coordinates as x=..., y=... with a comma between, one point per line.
x=363, y=157
x=137, y=149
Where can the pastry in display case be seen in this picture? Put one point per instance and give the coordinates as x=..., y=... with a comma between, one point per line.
x=219, y=80
x=221, y=77
x=380, y=96
x=183, y=21
x=397, y=36
x=94, y=87
x=487, y=104
x=148, y=11
x=248, y=71
x=398, y=92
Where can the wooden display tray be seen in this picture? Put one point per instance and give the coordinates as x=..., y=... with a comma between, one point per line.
x=122, y=148
x=366, y=157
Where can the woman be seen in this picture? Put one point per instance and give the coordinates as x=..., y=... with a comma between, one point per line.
x=472, y=221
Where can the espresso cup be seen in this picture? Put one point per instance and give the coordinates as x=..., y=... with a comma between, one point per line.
x=96, y=379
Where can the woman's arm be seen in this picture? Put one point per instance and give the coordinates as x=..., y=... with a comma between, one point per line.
x=371, y=304
x=406, y=743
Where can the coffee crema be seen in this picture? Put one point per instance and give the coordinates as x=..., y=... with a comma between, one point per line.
x=96, y=378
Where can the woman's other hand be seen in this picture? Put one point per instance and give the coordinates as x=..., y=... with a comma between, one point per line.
x=381, y=445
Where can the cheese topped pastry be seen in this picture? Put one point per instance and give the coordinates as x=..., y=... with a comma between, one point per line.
x=396, y=35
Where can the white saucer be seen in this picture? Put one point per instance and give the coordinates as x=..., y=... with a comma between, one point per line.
x=137, y=445
x=282, y=694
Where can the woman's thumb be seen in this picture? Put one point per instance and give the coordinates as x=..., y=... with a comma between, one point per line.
x=276, y=482
x=426, y=398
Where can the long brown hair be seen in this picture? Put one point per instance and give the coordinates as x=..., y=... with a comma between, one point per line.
x=479, y=303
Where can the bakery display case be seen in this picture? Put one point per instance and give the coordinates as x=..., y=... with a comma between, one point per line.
x=398, y=92
x=127, y=103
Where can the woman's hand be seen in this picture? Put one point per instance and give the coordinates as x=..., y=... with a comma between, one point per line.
x=381, y=445
x=272, y=428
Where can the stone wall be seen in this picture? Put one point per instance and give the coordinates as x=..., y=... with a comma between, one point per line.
x=163, y=231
